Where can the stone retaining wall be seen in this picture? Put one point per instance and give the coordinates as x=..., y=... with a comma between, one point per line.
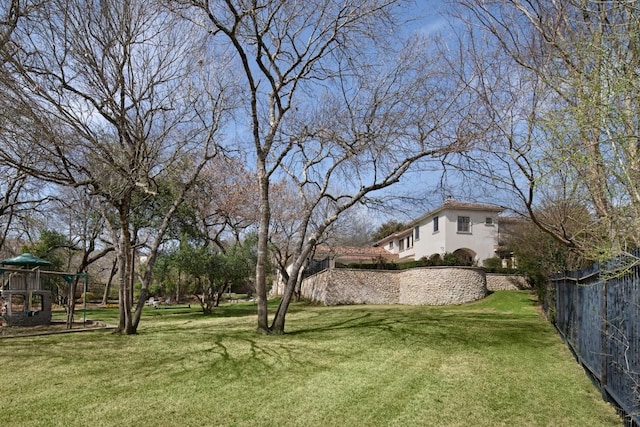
x=506, y=282
x=417, y=286
x=442, y=285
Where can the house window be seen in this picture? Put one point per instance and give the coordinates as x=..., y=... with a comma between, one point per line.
x=464, y=224
x=435, y=224
x=391, y=245
x=409, y=241
x=488, y=220
x=416, y=233
x=401, y=245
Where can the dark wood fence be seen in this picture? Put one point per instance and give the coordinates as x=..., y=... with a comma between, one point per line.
x=598, y=315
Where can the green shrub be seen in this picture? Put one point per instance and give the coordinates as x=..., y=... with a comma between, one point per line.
x=410, y=264
x=377, y=266
x=451, y=260
x=435, y=260
x=494, y=262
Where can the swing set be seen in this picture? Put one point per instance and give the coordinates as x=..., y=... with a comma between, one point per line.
x=23, y=299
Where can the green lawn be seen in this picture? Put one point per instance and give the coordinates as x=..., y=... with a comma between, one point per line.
x=492, y=363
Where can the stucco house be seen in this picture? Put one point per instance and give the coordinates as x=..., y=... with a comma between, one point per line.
x=471, y=231
x=468, y=230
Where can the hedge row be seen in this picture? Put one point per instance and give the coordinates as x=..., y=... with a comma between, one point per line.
x=422, y=263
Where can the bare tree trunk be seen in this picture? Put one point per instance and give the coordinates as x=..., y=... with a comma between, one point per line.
x=219, y=294
x=122, y=292
x=107, y=287
x=137, y=314
x=277, y=327
x=126, y=278
x=132, y=275
x=178, y=295
x=263, y=254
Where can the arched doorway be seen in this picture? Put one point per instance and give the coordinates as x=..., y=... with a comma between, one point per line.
x=465, y=256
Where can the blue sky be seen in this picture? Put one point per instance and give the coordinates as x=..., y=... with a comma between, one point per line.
x=430, y=16
x=426, y=186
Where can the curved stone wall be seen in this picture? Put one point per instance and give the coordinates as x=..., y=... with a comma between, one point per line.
x=361, y=287
x=442, y=285
x=418, y=286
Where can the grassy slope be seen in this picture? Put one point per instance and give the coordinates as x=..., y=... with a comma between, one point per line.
x=492, y=363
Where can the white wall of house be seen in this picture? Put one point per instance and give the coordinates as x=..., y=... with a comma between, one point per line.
x=481, y=238
x=478, y=235
x=431, y=241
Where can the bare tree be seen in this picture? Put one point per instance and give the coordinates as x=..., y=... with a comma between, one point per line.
x=19, y=193
x=556, y=86
x=11, y=12
x=21, y=201
x=331, y=108
x=113, y=98
x=224, y=201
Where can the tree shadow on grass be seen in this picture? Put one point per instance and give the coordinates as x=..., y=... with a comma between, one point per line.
x=465, y=328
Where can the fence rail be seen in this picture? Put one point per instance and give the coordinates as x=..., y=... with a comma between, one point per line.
x=598, y=315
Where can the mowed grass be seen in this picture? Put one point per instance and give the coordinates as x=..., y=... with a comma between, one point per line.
x=496, y=362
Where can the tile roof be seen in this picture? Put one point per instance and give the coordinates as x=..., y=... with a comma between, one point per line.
x=454, y=204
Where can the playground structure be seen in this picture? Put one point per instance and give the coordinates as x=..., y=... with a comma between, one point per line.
x=24, y=301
